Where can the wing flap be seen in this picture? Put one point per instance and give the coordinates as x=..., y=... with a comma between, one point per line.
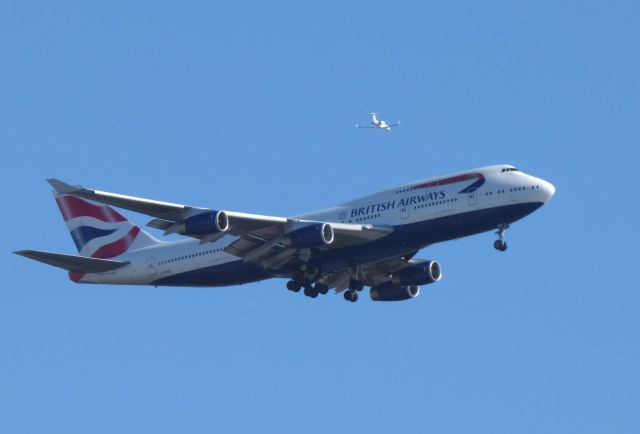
x=80, y=264
x=270, y=251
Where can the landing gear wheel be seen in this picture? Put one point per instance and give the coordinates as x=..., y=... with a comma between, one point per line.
x=294, y=286
x=500, y=245
x=309, y=291
x=351, y=296
x=321, y=289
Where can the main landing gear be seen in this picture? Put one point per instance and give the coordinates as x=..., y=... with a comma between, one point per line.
x=352, y=293
x=351, y=296
x=305, y=279
x=294, y=285
x=500, y=244
x=310, y=290
x=313, y=290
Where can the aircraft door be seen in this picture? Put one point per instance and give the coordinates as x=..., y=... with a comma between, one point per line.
x=472, y=198
x=404, y=213
x=151, y=266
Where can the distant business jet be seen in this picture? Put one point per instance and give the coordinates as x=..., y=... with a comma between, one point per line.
x=369, y=241
x=379, y=124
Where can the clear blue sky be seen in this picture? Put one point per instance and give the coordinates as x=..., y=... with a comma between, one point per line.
x=250, y=107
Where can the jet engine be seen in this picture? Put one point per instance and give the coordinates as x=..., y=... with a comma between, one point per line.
x=310, y=236
x=206, y=223
x=420, y=272
x=404, y=283
x=387, y=291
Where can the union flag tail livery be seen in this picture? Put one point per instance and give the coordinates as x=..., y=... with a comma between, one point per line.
x=370, y=241
x=98, y=230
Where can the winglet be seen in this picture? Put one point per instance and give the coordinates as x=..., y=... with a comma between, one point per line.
x=63, y=187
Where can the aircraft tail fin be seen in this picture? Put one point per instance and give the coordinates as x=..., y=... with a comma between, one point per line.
x=98, y=230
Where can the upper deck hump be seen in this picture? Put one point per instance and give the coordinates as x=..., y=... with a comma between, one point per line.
x=434, y=181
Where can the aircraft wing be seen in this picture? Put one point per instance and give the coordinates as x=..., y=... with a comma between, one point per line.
x=261, y=238
x=167, y=214
x=162, y=210
x=270, y=248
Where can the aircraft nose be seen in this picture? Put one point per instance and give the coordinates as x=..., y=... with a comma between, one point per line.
x=548, y=190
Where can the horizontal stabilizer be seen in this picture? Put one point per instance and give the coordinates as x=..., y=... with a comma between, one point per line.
x=79, y=264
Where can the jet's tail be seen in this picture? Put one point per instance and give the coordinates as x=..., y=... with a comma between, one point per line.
x=98, y=230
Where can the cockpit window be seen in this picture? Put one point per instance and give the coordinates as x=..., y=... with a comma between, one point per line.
x=510, y=169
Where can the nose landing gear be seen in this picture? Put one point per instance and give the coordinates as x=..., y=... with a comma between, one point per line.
x=500, y=244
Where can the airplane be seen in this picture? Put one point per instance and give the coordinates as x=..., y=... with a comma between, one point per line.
x=367, y=242
x=379, y=124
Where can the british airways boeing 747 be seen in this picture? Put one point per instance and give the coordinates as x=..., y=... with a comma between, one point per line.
x=370, y=241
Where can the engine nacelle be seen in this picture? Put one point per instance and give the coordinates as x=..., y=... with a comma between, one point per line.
x=310, y=236
x=209, y=222
x=389, y=292
x=418, y=273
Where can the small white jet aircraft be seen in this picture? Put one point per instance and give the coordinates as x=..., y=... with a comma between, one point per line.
x=379, y=123
x=369, y=241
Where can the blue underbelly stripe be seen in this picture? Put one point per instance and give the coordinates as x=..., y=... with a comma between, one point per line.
x=413, y=236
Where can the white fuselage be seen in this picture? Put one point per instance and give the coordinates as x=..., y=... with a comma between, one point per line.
x=410, y=205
